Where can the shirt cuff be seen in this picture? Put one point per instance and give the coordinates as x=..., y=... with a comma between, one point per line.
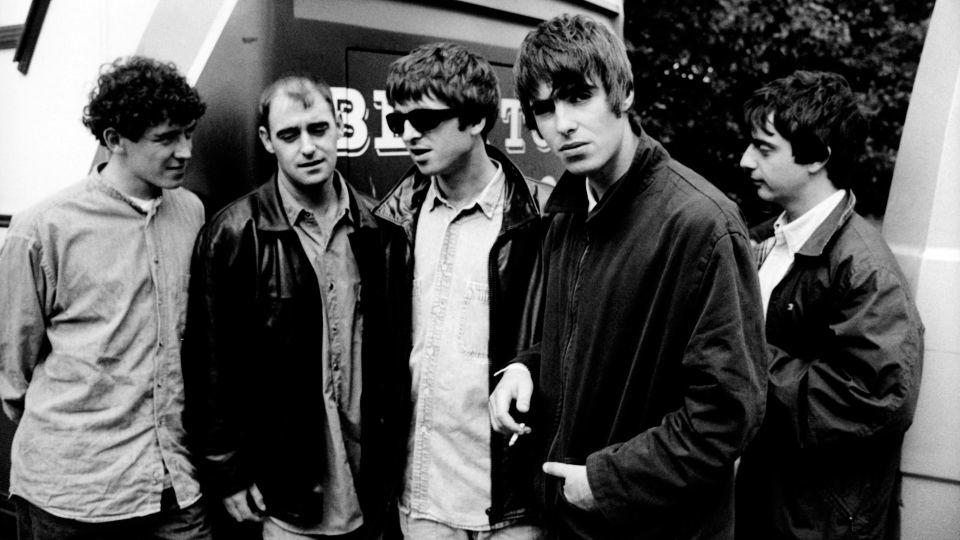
x=511, y=366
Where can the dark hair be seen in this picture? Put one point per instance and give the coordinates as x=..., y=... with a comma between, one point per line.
x=449, y=73
x=136, y=93
x=817, y=113
x=299, y=87
x=572, y=50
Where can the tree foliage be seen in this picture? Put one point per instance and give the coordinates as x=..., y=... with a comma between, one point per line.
x=696, y=61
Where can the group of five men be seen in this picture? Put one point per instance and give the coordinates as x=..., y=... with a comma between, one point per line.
x=463, y=359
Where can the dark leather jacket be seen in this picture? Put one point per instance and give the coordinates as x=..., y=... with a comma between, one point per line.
x=511, y=264
x=846, y=346
x=255, y=409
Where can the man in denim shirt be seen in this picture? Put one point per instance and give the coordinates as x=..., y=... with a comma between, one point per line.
x=467, y=229
x=93, y=284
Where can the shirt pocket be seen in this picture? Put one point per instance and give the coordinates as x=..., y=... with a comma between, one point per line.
x=473, y=333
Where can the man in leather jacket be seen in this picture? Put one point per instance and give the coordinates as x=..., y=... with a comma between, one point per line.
x=846, y=340
x=293, y=397
x=465, y=229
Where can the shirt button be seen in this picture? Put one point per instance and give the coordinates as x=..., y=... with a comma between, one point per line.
x=330, y=287
x=160, y=344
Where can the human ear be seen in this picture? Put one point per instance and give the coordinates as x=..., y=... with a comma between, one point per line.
x=477, y=129
x=627, y=101
x=817, y=166
x=265, y=139
x=112, y=140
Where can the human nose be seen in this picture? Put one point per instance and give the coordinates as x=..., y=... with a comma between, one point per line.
x=564, y=120
x=184, y=149
x=747, y=160
x=307, y=144
x=409, y=132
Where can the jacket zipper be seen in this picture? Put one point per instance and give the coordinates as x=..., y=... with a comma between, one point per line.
x=558, y=414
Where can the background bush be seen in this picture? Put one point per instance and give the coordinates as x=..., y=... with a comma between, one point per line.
x=696, y=61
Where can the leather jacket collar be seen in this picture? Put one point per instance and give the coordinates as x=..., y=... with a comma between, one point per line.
x=271, y=216
x=402, y=205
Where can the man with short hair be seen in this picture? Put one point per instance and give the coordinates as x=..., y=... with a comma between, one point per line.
x=846, y=340
x=466, y=233
x=292, y=393
x=93, y=284
x=650, y=368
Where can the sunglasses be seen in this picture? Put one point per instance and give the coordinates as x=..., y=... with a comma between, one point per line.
x=422, y=120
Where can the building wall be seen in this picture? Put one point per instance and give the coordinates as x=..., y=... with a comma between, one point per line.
x=922, y=225
x=43, y=144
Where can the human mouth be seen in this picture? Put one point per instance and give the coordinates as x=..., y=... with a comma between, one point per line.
x=572, y=147
x=311, y=164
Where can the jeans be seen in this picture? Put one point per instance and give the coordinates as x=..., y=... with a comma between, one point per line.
x=170, y=523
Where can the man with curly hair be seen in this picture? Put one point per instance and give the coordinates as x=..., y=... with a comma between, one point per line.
x=93, y=284
x=466, y=226
x=845, y=338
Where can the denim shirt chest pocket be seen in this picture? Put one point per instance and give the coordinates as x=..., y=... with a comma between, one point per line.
x=473, y=330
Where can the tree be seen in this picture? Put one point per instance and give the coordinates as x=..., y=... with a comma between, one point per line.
x=695, y=62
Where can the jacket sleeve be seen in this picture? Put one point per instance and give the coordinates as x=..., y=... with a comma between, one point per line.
x=217, y=343
x=23, y=303
x=723, y=372
x=531, y=323
x=867, y=379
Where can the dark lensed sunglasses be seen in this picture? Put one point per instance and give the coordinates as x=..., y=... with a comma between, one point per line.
x=422, y=120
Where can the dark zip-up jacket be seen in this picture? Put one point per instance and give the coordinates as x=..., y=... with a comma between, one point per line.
x=511, y=265
x=652, y=367
x=252, y=366
x=846, y=347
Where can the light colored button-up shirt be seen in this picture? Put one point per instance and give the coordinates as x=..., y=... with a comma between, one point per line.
x=787, y=239
x=448, y=466
x=93, y=292
x=327, y=245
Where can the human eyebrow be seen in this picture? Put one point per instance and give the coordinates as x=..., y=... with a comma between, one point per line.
x=542, y=106
x=761, y=144
x=288, y=133
x=578, y=90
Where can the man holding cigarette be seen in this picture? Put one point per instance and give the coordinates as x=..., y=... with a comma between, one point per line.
x=648, y=378
x=467, y=231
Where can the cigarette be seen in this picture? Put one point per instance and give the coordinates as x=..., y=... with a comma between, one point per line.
x=515, y=436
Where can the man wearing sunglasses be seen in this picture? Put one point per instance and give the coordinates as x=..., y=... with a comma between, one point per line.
x=650, y=373
x=467, y=231
x=293, y=397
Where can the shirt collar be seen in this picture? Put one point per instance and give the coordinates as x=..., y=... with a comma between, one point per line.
x=591, y=198
x=488, y=200
x=798, y=231
x=295, y=211
x=137, y=204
